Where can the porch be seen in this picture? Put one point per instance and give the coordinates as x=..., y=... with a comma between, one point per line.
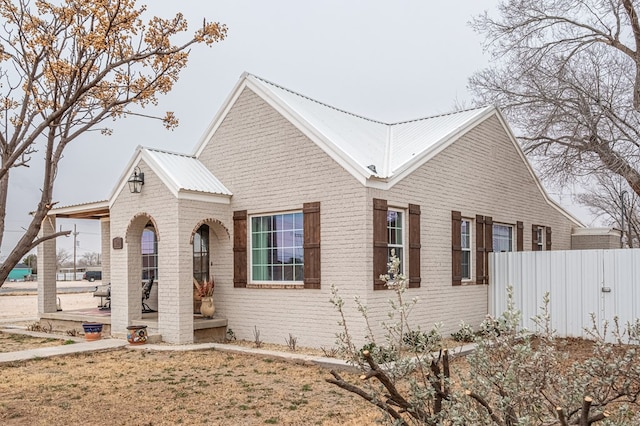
x=205, y=330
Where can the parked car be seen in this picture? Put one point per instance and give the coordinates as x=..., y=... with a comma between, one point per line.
x=92, y=275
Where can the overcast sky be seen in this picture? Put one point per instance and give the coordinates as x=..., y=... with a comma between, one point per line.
x=385, y=60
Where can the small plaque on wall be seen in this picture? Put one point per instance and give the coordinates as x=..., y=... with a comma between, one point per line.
x=117, y=243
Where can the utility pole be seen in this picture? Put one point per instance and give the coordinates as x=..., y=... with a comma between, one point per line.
x=75, y=234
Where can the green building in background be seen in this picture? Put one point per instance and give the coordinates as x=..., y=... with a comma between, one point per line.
x=19, y=273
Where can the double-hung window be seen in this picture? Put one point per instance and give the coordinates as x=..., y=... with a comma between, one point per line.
x=395, y=236
x=277, y=253
x=465, y=243
x=502, y=238
x=539, y=238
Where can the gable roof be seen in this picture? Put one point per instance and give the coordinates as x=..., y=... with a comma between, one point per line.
x=184, y=175
x=378, y=154
x=367, y=148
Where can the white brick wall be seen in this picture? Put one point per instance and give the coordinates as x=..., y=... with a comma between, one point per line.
x=171, y=295
x=482, y=173
x=47, y=268
x=105, y=235
x=270, y=166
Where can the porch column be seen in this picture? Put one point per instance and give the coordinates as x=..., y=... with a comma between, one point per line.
x=175, y=286
x=47, y=267
x=125, y=286
x=105, y=249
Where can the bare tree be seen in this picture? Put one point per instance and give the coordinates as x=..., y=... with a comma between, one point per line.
x=89, y=259
x=609, y=200
x=567, y=76
x=63, y=257
x=66, y=67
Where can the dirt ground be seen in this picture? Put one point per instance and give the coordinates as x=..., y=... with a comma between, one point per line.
x=143, y=387
x=137, y=387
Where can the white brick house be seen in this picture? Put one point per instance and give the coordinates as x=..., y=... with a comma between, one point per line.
x=296, y=195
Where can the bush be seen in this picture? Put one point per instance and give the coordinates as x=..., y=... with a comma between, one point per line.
x=419, y=341
x=464, y=334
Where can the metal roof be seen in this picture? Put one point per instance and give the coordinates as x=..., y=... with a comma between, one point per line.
x=390, y=147
x=185, y=172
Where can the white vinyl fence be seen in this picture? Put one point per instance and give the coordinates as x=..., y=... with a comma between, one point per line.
x=579, y=282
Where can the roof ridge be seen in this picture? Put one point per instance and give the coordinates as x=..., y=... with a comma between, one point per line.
x=440, y=115
x=164, y=151
x=318, y=102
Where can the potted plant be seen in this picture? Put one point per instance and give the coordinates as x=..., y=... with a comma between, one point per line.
x=204, y=290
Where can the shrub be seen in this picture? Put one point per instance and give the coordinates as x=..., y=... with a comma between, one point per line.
x=464, y=334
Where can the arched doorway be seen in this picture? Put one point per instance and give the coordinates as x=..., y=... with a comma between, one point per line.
x=142, y=272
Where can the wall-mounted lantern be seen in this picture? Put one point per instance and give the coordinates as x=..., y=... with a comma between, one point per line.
x=136, y=181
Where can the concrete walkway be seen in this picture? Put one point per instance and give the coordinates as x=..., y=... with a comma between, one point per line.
x=81, y=345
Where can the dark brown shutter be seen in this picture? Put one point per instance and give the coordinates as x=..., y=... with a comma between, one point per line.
x=240, y=248
x=480, y=240
x=456, y=248
x=414, y=246
x=488, y=247
x=379, y=242
x=534, y=237
x=519, y=236
x=311, y=246
x=548, y=238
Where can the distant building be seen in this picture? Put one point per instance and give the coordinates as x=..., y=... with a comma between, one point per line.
x=20, y=272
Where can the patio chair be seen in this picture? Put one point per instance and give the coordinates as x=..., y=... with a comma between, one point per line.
x=146, y=292
x=104, y=293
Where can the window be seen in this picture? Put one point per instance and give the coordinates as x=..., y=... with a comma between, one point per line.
x=502, y=238
x=149, y=253
x=465, y=243
x=392, y=230
x=277, y=252
x=395, y=239
x=201, y=254
x=540, y=239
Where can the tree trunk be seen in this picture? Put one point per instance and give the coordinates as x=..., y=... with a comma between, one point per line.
x=4, y=188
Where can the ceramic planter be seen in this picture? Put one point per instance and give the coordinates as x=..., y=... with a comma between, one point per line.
x=137, y=334
x=207, y=308
x=92, y=330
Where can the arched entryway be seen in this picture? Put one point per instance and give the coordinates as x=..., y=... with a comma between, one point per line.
x=142, y=260
x=206, y=239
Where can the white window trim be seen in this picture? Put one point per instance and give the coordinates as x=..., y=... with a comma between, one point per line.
x=541, y=238
x=469, y=249
x=274, y=283
x=513, y=234
x=403, y=246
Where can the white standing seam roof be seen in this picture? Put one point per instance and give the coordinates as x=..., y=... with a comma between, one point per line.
x=184, y=172
x=378, y=154
x=390, y=147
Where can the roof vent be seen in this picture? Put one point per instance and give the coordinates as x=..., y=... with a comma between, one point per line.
x=372, y=167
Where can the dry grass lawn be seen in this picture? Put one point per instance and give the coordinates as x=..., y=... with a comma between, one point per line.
x=143, y=387
x=139, y=387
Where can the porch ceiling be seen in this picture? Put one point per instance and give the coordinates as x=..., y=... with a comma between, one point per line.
x=96, y=210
